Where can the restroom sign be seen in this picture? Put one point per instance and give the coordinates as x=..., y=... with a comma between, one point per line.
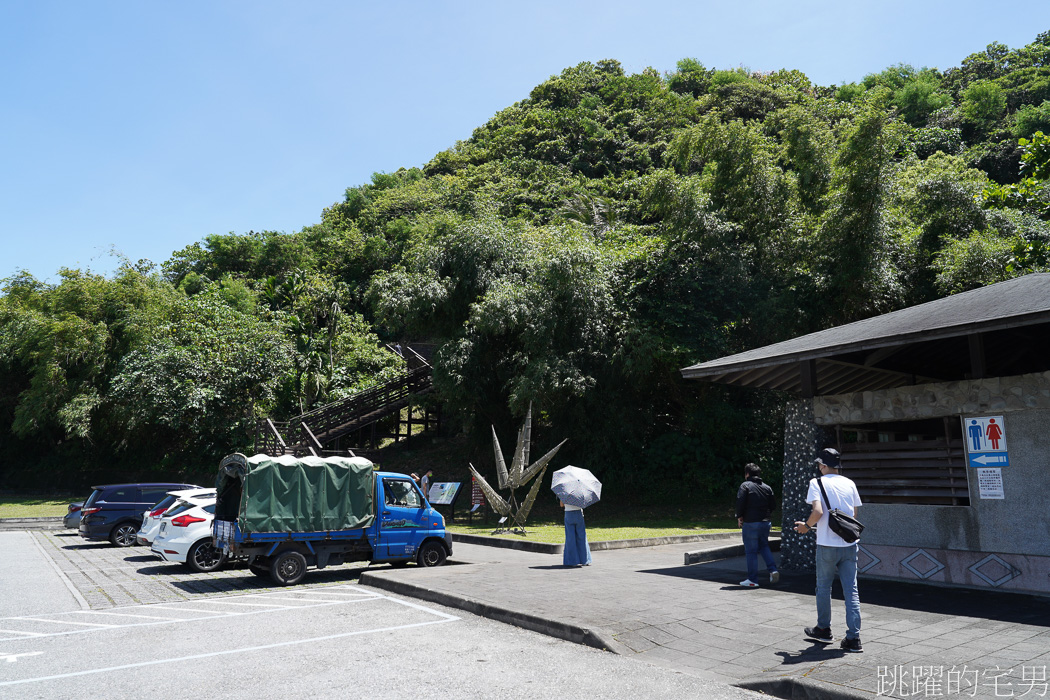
x=985, y=439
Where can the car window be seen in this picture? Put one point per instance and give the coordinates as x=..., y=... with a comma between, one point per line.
x=92, y=498
x=401, y=493
x=164, y=503
x=209, y=509
x=127, y=494
x=181, y=508
x=153, y=495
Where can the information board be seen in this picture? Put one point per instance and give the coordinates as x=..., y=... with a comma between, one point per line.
x=442, y=493
x=990, y=482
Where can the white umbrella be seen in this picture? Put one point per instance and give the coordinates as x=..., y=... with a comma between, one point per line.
x=575, y=486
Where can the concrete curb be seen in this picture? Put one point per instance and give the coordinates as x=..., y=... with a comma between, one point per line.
x=51, y=523
x=534, y=623
x=548, y=548
x=716, y=553
x=800, y=689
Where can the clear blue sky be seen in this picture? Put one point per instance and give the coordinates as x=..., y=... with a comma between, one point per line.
x=142, y=126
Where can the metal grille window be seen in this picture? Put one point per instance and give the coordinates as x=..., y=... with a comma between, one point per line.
x=918, y=462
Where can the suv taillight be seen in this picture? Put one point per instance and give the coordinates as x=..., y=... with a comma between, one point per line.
x=155, y=513
x=89, y=511
x=184, y=520
x=73, y=508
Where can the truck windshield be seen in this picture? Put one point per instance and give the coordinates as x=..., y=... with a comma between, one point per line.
x=399, y=492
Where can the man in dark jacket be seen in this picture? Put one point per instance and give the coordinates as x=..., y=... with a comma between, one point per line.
x=754, y=506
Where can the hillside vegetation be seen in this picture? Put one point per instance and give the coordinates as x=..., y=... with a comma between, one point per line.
x=575, y=252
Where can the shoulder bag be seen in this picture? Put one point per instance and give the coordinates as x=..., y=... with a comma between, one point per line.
x=845, y=526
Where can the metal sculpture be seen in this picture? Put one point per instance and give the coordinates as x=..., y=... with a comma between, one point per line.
x=516, y=477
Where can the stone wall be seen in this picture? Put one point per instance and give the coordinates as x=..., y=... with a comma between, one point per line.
x=995, y=394
x=803, y=439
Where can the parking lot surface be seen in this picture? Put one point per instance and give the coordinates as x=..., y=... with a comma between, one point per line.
x=231, y=635
x=106, y=576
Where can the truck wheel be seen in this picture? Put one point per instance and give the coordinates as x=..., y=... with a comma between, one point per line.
x=431, y=554
x=288, y=568
x=205, y=556
x=123, y=535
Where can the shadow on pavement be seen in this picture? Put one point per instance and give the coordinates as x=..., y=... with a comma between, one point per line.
x=1017, y=608
x=141, y=557
x=812, y=653
x=88, y=545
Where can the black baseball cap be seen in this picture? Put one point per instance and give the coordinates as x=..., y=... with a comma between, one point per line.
x=829, y=457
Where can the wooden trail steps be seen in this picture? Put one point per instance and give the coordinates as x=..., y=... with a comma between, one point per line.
x=354, y=425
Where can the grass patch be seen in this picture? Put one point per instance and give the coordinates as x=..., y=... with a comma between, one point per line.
x=604, y=526
x=32, y=506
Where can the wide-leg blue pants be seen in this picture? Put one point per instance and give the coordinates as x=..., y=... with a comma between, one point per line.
x=576, y=552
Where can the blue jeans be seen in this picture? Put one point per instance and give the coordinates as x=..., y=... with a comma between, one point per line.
x=843, y=561
x=576, y=551
x=756, y=541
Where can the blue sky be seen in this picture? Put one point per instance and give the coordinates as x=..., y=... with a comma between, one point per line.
x=137, y=128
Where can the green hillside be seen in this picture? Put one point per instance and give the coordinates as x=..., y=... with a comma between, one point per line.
x=575, y=252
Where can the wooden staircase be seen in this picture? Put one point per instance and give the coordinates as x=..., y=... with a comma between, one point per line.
x=353, y=425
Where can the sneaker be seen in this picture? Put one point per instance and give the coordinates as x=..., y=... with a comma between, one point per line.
x=748, y=583
x=819, y=634
x=774, y=576
x=851, y=644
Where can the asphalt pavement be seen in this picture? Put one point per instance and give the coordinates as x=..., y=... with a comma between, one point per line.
x=644, y=602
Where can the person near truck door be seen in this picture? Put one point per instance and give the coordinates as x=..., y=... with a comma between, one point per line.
x=834, y=554
x=576, y=552
x=754, y=507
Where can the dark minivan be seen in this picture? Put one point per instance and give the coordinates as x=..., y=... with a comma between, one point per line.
x=114, y=512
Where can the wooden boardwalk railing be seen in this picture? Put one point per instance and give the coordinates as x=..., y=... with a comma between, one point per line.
x=314, y=432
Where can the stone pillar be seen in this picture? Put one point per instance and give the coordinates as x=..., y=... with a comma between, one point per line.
x=803, y=439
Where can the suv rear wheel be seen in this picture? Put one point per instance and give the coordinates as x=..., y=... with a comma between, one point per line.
x=123, y=535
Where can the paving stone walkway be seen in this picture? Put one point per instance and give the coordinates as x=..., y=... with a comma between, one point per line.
x=919, y=641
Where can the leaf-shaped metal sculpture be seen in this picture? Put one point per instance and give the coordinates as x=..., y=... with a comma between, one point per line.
x=528, y=439
x=495, y=500
x=501, y=465
x=517, y=476
x=523, y=513
x=516, y=463
x=541, y=462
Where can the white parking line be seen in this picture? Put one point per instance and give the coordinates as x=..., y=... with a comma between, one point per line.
x=247, y=605
x=167, y=620
x=210, y=612
x=242, y=650
x=63, y=622
x=102, y=612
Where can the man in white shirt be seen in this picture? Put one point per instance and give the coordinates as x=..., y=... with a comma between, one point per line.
x=834, y=554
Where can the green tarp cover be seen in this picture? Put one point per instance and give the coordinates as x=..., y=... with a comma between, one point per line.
x=300, y=494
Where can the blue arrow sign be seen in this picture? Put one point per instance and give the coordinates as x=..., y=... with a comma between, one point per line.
x=989, y=459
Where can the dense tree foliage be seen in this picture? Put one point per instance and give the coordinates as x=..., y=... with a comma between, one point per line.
x=575, y=252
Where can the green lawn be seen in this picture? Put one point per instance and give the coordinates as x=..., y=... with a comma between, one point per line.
x=33, y=506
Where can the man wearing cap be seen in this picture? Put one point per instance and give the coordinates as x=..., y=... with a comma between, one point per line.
x=835, y=556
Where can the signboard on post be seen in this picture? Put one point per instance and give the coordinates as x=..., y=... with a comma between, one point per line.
x=985, y=439
x=477, y=500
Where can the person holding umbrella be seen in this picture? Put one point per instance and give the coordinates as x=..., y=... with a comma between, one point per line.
x=576, y=489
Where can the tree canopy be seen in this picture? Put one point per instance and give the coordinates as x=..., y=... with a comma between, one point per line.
x=574, y=252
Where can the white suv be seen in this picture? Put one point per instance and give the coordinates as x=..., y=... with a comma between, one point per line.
x=151, y=518
x=185, y=536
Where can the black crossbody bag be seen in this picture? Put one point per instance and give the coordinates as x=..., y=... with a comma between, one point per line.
x=845, y=526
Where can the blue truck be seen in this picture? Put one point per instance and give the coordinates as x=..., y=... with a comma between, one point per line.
x=286, y=514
